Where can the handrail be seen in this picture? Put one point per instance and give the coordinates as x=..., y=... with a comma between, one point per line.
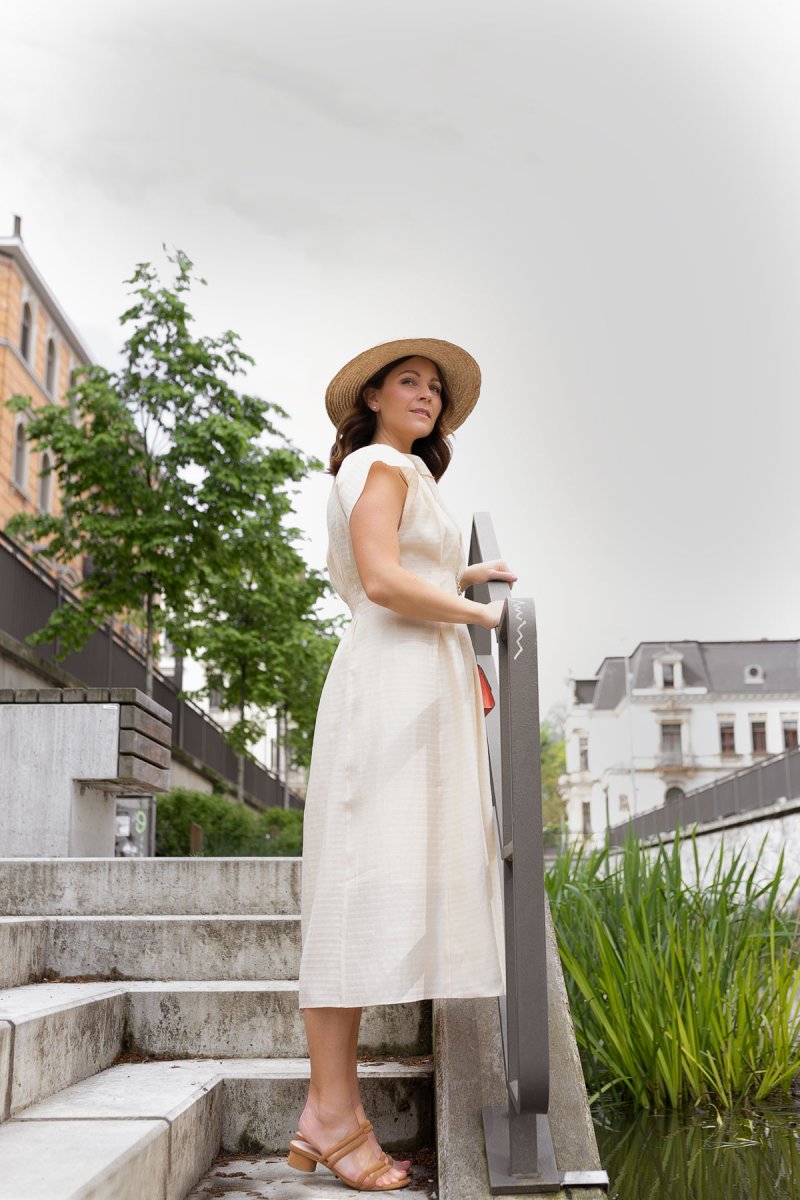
x=772, y=781
x=519, y=1146
x=28, y=595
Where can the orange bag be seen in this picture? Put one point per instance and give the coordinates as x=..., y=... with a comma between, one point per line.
x=486, y=693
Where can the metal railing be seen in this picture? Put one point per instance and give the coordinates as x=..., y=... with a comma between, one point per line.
x=29, y=594
x=519, y=1146
x=772, y=781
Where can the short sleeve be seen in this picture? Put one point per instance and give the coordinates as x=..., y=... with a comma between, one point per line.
x=352, y=474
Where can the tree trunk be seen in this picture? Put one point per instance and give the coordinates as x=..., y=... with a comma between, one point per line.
x=240, y=757
x=148, y=670
x=240, y=778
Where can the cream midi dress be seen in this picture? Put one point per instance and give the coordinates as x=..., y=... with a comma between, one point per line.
x=401, y=894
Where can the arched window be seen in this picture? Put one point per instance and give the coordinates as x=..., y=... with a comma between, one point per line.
x=20, y=469
x=45, y=483
x=26, y=331
x=674, y=794
x=50, y=369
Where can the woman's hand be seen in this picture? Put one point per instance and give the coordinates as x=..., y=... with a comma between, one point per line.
x=491, y=614
x=482, y=572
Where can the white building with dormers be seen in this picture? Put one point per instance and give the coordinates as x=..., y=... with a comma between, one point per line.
x=671, y=717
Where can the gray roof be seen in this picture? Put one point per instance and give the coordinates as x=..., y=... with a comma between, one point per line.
x=717, y=666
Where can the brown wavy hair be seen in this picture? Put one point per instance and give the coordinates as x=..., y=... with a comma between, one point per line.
x=358, y=428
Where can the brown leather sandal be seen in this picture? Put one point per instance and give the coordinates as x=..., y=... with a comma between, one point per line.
x=306, y=1156
x=390, y=1161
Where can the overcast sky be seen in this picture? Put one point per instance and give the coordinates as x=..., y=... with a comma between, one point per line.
x=599, y=200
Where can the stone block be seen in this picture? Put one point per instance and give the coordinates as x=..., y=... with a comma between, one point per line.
x=221, y=1019
x=140, y=886
x=264, y=1100
x=62, y=1033
x=186, y=1096
x=6, y=1040
x=132, y=717
x=42, y=813
x=23, y=949
x=155, y=947
x=84, y=1160
x=141, y=775
x=134, y=696
x=138, y=744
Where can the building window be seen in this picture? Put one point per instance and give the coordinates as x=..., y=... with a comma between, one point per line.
x=26, y=331
x=20, y=468
x=669, y=675
x=587, y=818
x=674, y=794
x=624, y=806
x=727, y=741
x=758, y=730
x=50, y=367
x=45, y=484
x=789, y=734
x=583, y=753
x=671, y=742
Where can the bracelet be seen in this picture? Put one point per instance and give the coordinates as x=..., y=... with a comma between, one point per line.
x=459, y=577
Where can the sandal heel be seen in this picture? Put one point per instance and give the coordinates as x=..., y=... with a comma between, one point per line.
x=301, y=1162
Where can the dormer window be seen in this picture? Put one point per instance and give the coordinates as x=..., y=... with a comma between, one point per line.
x=753, y=673
x=668, y=670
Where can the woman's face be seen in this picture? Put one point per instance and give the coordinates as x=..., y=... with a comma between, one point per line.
x=408, y=402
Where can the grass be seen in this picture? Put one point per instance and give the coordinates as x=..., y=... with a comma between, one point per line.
x=681, y=994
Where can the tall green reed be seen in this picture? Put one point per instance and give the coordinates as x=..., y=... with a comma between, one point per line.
x=680, y=993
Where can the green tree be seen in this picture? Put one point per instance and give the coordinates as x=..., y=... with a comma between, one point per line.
x=158, y=463
x=253, y=627
x=554, y=763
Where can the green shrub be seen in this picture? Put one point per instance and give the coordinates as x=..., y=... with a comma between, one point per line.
x=679, y=993
x=229, y=829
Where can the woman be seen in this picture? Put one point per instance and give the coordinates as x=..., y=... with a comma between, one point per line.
x=400, y=887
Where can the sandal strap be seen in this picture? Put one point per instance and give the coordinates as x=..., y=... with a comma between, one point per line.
x=377, y=1168
x=344, y=1146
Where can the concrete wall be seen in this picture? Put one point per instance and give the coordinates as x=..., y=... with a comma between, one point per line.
x=51, y=757
x=780, y=831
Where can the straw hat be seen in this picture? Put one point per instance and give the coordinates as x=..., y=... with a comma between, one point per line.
x=460, y=373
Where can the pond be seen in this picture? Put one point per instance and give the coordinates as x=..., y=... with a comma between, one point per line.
x=702, y=1155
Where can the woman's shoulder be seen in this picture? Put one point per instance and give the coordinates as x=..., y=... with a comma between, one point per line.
x=373, y=451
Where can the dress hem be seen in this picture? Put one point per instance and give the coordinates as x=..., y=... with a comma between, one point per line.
x=412, y=999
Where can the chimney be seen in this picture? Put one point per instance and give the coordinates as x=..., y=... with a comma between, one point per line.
x=17, y=227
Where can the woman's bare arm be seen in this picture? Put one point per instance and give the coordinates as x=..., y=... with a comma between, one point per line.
x=374, y=522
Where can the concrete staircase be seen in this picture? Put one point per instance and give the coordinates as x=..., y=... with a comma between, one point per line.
x=149, y=1021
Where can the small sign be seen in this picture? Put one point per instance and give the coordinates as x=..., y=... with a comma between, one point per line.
x=123, y=825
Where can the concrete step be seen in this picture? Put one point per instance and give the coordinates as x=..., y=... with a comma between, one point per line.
x=264, y=1100
x=196, y=1108
x=139, y=886
x=54, y=1034
x=225, y=946
x=58, y=1034
x=252, y=1018
x=236, y=1177
x=84, y=1160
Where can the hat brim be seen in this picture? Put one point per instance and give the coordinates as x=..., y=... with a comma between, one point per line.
x=460, y=374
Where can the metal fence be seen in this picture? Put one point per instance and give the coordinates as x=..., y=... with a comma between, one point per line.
x=29, y=594
x=766, y=783
x=519, y=1146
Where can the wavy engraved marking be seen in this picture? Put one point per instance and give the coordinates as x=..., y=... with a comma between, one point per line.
x=519, y=632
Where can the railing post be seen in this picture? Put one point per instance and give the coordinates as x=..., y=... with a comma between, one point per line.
x=519, y=1146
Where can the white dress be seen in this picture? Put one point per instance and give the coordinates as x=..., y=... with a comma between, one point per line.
x=401, y=894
